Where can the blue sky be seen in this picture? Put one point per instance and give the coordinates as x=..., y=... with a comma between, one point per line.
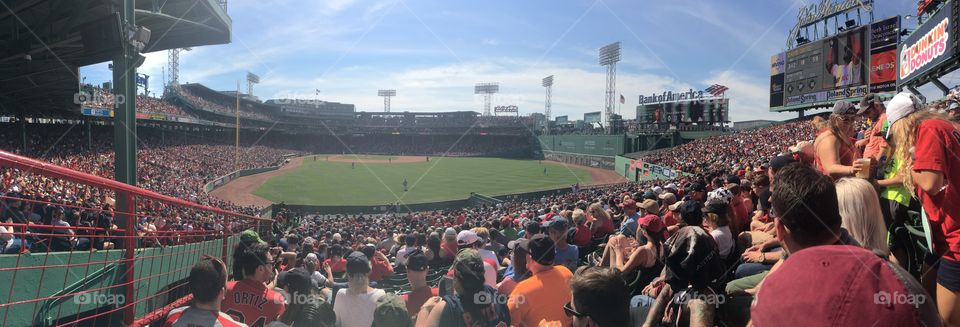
x=433, y=52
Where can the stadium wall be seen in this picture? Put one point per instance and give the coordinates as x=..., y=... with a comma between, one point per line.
x=475, y=199
x=596, y=145
x=637, y=170
x=223, y=180
x=605, y=162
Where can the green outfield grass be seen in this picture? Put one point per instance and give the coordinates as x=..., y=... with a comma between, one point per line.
x=355, y=157
x=336, y=183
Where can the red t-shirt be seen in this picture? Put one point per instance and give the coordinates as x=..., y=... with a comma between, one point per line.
x=380, y=270
x=582, y=238
x=416, y=298
x=337, y=267
x=606, y=228
x=938, y=149
x=668, y=219
x=252, y=303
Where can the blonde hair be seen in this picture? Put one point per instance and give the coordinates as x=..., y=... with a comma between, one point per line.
x=482, y=232
x=819, y=123
x=904, y=132
x=860, y=213
x=596, y=210
x=579, y=216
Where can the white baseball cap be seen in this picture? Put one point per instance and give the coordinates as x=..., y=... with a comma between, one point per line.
x=902, y=105
x=467, y=237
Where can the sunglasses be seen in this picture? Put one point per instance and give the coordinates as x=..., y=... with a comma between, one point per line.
x=570, y=312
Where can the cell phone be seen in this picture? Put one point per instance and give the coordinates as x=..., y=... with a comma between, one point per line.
x=446, y=286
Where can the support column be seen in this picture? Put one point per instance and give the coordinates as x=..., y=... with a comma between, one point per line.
x=23, y=131
x=125, y=149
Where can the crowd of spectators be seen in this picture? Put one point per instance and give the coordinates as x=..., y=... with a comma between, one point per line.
x=101, y=98
x=177, y=166
x=762, y=233
x=210, y=104
x=740, y=150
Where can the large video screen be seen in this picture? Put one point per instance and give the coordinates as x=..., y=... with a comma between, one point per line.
x=709, y=111
x=837, y=67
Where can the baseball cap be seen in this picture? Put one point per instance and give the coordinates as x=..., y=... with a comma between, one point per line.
x=716, y=207
x=298, y=280
x=541, y=249
x=841, y=272
x=781, y=161
x=557, y=223
x=629, y=203
x=469, y=264
x=249, y=236
x=449, y=232
x=467, y=237
x=697, y=187
x=652, y=224
x=902, y=104
x=391, y=311
x=650, y=206
x=357, y=262
x=649, y=195
x=668, y=198
x=671, y=186
x=417, y=261
x=691, y=213
x=867, y=100
x=676, y=206
x=843, y=107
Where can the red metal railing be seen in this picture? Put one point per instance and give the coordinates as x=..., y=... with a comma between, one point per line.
x=57, y=257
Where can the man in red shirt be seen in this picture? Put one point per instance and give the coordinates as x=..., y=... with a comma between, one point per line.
x=338, y=265
x=417, y=276
x=207, y=281
x=249, y=300
x=380, y=264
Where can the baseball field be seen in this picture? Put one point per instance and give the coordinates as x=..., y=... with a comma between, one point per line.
x=370, y=180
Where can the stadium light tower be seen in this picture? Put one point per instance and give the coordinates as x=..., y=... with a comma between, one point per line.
x=173, y=60
x=547, y=83
x=486, y=89
x=251, y=79
x=609, y=56
x=386, y=94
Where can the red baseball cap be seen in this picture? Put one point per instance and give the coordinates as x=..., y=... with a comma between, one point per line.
x=652, y=224
x=629, y=203
x=853, y=287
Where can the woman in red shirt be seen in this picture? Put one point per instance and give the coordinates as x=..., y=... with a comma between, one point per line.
x=927, y=146
x=834, y=152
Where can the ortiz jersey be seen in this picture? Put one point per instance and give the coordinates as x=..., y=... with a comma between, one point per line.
x=252, y=303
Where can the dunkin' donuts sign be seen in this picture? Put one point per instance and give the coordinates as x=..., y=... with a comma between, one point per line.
x=930, y=47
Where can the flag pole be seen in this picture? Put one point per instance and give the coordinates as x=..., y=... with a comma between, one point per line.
x=236, y=151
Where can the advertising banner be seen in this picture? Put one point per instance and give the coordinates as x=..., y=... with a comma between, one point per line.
x=928, y=46
x=561, y=119
x=777, y=65
x=591, y=117
x=884, y=36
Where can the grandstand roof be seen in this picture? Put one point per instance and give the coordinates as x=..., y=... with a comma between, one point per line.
x=50, y=33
